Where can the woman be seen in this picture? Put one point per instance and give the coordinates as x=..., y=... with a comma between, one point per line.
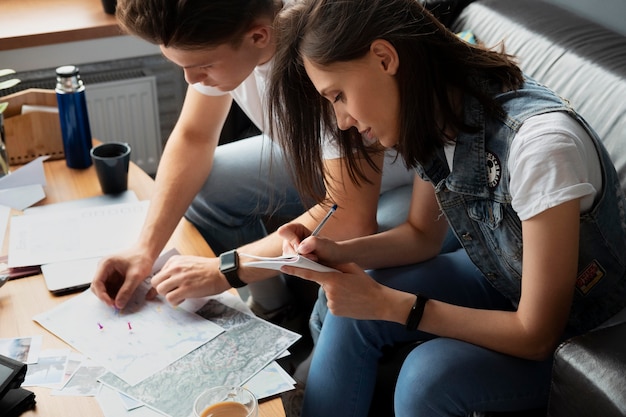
x=517, y=174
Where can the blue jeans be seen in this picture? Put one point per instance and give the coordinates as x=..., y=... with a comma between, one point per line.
x=250, y=182
x=320, y=309
x=441, y=376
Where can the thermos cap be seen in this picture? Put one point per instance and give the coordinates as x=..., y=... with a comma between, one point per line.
x=68, y=79
x=67, y=71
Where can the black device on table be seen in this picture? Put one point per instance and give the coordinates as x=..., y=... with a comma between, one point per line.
x=14, y=400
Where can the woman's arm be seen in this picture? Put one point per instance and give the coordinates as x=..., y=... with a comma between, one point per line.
x=417, y=239
x=532, y=332
x=355, y=215
x=548, y=281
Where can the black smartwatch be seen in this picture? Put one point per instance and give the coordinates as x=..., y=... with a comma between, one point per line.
x=229, y=264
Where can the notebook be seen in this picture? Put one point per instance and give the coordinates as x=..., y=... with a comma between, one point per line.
x=293, y=260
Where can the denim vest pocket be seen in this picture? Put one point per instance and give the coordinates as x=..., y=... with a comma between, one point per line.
x=487, y=212
x=501, y=228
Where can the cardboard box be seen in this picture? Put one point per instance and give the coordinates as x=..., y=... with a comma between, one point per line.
x=29, y=136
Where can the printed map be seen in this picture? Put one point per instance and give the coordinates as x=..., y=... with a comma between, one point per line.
x=233, y=357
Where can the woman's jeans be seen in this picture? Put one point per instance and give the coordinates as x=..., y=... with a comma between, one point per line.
x=441, y=376
x=320, y=309
x=249, y=183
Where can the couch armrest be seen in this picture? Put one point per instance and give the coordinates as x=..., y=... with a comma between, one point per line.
x=589, y=375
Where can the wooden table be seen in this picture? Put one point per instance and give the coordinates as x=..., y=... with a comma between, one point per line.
x=23, y=298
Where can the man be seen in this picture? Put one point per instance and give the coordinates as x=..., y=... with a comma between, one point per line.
x=225, y=49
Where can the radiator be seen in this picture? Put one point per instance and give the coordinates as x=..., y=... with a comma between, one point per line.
x=127, y=111
x=136, y=100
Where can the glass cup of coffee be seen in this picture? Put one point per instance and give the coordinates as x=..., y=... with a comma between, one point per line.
x=226, y=401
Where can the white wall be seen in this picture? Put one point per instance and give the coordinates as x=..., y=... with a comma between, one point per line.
x=610, y=13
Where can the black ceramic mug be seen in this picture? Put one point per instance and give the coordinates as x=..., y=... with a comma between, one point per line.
x=111, y=160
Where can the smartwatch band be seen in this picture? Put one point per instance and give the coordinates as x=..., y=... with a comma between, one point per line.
x=417, y=311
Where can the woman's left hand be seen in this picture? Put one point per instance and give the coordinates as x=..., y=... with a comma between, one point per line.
x=350, y=293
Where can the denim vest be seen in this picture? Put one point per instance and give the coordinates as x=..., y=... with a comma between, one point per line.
x=476, y=200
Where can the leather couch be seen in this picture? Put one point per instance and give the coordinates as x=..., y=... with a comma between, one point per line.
x=585, y=63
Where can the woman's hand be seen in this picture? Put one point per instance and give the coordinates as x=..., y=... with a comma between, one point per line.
x=292, y=234
x=351, y=292
x=297, y=239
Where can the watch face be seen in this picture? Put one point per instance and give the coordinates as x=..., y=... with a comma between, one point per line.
x=228, y=261
x=229, y=264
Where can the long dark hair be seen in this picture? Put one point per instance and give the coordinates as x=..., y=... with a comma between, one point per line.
x=433, y=62
x=192, y=24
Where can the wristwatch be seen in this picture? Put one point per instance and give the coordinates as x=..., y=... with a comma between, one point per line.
x=229, y=264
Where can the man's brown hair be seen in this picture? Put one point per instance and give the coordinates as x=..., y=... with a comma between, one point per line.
x=192, y=24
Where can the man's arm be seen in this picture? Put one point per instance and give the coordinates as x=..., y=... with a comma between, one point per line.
x=185, y=277
x=186, y=162
x=185, y=165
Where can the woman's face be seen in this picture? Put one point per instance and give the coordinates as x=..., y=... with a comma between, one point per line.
x=364, y=93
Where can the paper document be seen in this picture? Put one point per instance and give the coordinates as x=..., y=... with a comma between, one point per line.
x=65, y=235
x=24, y=186
x=133, y=343
x=292, y=260
x=127, y=196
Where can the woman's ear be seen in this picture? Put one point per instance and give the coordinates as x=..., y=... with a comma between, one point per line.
x=386, y=55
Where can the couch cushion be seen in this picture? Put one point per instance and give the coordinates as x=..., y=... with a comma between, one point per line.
x=581, y=60
x=589, y=375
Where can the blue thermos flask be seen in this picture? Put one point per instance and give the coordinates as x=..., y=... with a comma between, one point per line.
x=75, y=129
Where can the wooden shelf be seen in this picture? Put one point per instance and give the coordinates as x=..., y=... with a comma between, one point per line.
x=28, y=23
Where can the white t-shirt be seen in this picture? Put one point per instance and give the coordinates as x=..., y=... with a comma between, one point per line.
x=552, y=160
x=250, y=96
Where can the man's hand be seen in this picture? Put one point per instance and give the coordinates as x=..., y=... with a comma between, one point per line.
x=119, y=275
x=185, y=277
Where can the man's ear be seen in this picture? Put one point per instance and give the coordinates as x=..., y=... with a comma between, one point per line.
x=386, y=55
x=260, y=35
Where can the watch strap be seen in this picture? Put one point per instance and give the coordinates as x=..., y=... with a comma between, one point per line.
x=417, y=311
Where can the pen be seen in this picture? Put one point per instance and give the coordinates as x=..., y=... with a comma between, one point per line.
x=324, y=220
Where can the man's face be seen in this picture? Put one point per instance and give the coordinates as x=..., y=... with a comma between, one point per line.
x=223, y=67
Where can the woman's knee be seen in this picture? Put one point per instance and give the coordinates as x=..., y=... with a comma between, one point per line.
x=425, y=385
